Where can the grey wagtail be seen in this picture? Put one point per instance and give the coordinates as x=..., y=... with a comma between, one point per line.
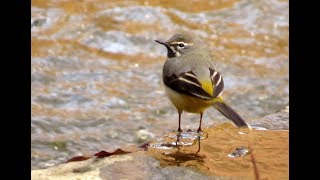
x=191, y=80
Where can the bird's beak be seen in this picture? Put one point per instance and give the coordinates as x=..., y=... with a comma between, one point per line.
x=161, y=42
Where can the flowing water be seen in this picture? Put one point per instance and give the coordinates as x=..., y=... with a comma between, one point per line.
x=96, y=71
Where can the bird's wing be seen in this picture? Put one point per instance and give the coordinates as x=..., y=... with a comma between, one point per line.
x=187, y=83
x=217, y=82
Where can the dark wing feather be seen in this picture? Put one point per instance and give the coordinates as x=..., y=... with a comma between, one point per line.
x=217, y=82
x=186, y=83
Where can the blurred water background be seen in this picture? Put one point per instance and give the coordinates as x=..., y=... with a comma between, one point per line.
x=96, y=71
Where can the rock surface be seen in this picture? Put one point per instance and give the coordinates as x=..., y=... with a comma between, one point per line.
x=172, y=156
x=278, y=120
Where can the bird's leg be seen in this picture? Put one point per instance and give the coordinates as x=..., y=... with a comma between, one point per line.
x=199, y=129
x=179, y=129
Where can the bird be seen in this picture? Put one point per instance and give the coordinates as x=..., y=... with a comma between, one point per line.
x=192, y=81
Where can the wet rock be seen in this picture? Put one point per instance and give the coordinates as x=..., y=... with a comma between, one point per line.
x=89, y=169
x=278, y=120
x=223, y=152
x=146, y=167
x=133, y=166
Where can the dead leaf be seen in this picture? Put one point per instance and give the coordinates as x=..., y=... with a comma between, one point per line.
x=102, y=154
x=78, y=158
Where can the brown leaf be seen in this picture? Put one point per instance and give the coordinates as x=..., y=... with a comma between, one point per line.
x=78, y=158
x=102, y=154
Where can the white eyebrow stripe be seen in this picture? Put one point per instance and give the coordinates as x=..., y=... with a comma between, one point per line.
x=182, y=43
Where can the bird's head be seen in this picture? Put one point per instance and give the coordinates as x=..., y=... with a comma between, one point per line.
x=178, y=44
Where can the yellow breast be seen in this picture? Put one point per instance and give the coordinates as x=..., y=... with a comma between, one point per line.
x=187, y=103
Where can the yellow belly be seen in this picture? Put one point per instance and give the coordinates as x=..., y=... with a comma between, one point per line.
x=187, y=103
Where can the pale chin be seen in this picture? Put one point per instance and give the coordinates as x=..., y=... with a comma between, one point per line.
x=177, y=54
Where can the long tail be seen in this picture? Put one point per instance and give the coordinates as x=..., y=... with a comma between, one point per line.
x=230, y=113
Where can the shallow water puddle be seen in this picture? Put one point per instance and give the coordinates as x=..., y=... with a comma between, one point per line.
x=227, y=151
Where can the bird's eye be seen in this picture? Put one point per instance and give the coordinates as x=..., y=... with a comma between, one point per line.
x=181, y=45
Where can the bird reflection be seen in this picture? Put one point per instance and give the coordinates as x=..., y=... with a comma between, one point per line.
x=184, y=153
x=179, y=138
x=198, y=144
